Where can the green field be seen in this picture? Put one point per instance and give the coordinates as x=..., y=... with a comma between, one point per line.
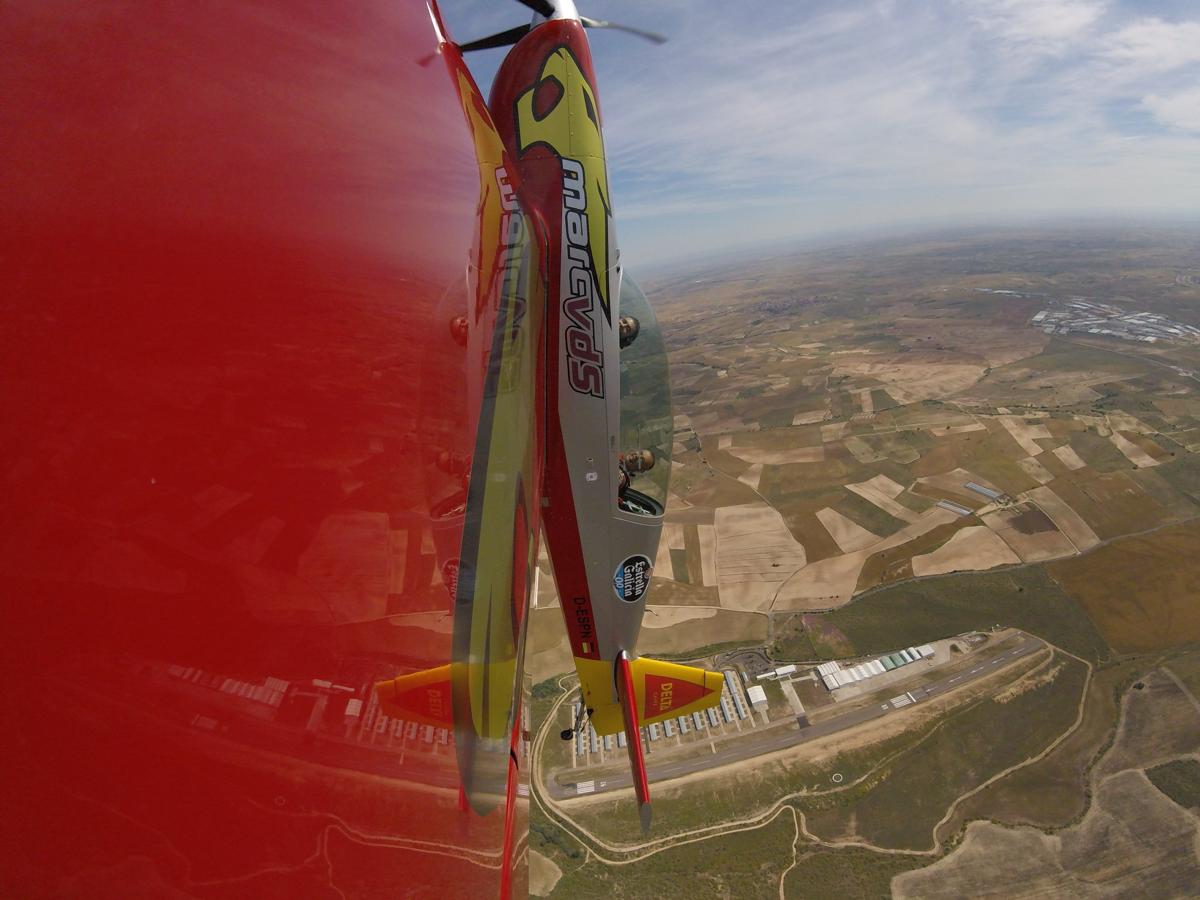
x=1186, y=667
x=1159, y=489
x=790, y=640
x=1051, y=793
x=1099, y=452
x=1183, y=474
x=1065, y=356
x=849, y=874
x=882, y=400
x=742, y=864
x=736, y=793
x=991, y=454
x=1179, y=780
x=900, y=810
x=942, y=606
x=867, y=514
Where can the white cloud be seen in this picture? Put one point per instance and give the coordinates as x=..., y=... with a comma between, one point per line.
x=1048, y=25
x=1156, y=45
x=806, y=116
x=1180, y=110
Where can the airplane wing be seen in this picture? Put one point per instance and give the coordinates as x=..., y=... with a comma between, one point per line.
x=268, y=288
x=280, y=353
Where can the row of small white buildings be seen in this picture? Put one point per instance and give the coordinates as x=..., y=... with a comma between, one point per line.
x=834, y=676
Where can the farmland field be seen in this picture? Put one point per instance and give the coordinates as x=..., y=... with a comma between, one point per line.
x=882, y=446
x=742, y=864
x=1134, y=838
x=1140, y=591
x=1051, y=793
x=901, y=810
x=1179, y=780
x=946, y=605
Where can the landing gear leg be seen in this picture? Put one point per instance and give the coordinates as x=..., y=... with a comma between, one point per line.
x=567, y=733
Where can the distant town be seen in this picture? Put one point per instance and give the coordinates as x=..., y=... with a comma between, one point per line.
x=1089, y=317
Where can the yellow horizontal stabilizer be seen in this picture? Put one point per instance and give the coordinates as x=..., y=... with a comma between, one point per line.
x=662, y=690
x=422, y=697
x=665, y=690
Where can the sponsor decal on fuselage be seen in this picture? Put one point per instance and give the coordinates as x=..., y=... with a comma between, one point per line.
x=631, y=580
x=569, y=126
x=585, y=359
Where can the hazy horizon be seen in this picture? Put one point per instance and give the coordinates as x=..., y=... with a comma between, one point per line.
x=901, y=233
x=801, y=121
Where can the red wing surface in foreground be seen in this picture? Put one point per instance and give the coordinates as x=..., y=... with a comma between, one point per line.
x=301, y=343
x=271, y=335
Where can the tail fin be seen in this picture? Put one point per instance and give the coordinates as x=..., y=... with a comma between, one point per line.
x=627, y=688
x=665, y=689
x=652, y=691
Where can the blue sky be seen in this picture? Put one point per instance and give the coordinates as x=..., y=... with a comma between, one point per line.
x=794, y=119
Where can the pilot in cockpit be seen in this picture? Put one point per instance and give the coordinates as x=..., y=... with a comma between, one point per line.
x=627, y=330
x=629, y=464
x=632, y=462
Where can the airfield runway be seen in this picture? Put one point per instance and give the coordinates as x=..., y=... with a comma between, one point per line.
x=779, y=739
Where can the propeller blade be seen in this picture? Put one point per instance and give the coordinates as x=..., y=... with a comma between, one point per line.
x=600, y=23
x=541, y=7
x=502, y=39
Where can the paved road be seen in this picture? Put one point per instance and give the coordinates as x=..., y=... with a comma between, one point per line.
x=770, y=739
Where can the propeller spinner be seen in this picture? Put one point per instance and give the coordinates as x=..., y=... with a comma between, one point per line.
x=545, y=9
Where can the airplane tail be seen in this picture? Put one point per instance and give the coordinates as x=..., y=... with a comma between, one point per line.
x=423, y=697
x=653, y=691
x=649, y=691
x=627, y=689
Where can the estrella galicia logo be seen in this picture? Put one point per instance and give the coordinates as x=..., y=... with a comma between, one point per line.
x=632, y=578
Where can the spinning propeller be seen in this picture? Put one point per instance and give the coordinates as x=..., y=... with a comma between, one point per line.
x=563, y=9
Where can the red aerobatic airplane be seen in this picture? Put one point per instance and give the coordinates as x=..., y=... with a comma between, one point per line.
x=304, y=345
